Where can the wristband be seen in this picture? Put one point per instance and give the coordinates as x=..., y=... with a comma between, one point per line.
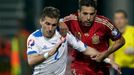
x=107, y=60
x=46, y=55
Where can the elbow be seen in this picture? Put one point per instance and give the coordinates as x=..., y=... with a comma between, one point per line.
x=122, y=41
x=31, y=63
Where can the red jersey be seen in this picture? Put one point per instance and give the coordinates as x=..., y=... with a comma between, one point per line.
x=96, y=36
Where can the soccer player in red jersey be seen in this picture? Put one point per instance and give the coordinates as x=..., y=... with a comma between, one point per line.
x=95, y=31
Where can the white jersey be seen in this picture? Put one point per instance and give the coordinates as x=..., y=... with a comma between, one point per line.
x=56, y=64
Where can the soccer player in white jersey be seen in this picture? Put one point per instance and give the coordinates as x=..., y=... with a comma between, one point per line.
x=47, y=47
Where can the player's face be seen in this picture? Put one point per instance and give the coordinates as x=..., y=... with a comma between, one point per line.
x=49, y=26
x=87, y=15
x=120, y=20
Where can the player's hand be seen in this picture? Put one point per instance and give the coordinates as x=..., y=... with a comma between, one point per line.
x=99, y=57
x=63, y=39
x=94, y=53
x=63, y=29
x=70, y=17
x=116, y=67
x=56, y=47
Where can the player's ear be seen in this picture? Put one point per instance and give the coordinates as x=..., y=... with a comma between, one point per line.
x=126, y=20
x=41, y=22
x=79, y=12
x=95, y=11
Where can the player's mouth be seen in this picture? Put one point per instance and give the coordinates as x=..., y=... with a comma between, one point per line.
x=87, y=23
x=50, y=34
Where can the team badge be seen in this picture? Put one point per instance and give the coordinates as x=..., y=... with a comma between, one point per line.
x=95, y=39
x=78, y=35
x=31, y=43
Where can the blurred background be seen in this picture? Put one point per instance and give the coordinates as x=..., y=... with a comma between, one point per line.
x=19, y=18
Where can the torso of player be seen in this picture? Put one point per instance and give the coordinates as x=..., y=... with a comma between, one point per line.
x=94, y=36
x=53, y=64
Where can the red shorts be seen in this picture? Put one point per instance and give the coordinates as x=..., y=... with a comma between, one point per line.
x=84, y=69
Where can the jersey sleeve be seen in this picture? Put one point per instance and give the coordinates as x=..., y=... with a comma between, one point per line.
x=112, y=31
x=76, y=43
x=32, y=47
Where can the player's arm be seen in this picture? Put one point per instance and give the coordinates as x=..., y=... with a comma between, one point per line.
x=76, y=43
x=116, y=36
x=34, y=57
x=114, y=65
x=115, y=46
x=80, y=46
x=90, y=52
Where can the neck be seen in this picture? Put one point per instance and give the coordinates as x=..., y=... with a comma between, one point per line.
x=122, y=30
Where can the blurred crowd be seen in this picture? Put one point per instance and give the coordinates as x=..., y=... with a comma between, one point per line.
x=13, y=59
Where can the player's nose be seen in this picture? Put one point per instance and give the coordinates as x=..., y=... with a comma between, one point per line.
x=88, y=17
x=50, y=27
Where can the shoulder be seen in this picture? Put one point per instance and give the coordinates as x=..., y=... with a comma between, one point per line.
x=35, y=34
x=130, y=27
x=71, y=17
x=104, y=21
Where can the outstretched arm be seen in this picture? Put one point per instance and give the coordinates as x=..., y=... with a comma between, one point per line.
x=115, y=46
x=36, y=58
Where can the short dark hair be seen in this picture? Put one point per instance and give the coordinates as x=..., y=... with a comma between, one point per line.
x=91, y=3
x=51, y=12
x=122, y=11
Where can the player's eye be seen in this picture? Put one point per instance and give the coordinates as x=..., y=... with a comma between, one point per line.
x=92, y=13
x=85, y=13
x=47, y=23
x=54, y=24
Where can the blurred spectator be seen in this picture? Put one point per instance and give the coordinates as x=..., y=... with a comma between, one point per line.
x=124, y=57
x=5, y=50
x=18, y=53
